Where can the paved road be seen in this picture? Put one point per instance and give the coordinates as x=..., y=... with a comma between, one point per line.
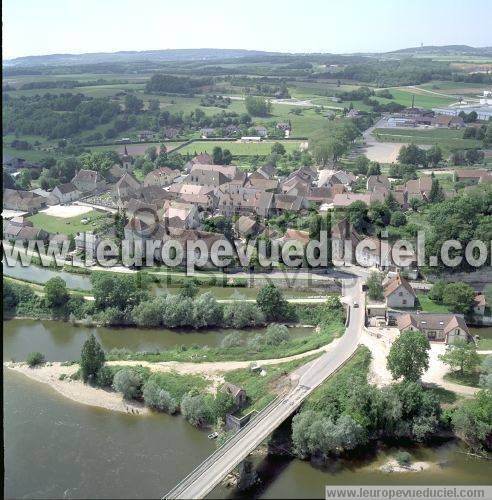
x=207, y=475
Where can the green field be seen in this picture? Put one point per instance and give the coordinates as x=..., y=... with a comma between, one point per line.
x=236, y=148
x=403, y=95
x=70, y=225
x=449, y=140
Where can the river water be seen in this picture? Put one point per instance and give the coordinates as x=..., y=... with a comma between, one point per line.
x=41, y=275
x=56, y=448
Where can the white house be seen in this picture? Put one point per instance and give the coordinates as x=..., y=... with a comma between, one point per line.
x=399, y=294
x=66, y=193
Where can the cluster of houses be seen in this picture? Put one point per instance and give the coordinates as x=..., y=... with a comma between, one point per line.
x=399, y=308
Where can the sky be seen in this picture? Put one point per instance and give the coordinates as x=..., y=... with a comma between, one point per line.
x=36, y=27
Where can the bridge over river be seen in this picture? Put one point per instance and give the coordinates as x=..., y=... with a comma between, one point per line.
x=210, y=472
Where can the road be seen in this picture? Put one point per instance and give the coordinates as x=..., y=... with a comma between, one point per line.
x=207, y=475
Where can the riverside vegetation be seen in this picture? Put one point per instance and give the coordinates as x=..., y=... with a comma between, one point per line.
x=122, y=300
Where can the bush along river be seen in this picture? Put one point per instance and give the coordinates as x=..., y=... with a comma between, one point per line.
x=57, y=448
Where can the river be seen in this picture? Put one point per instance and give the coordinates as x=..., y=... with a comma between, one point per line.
x=56, y=448
x=41, y=275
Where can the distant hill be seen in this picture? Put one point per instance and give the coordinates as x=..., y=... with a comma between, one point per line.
x=131, y=56
x=170, y=55
x=447, y=50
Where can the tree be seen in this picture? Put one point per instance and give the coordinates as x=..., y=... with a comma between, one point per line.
x=409, y=356
x=196, y=409
x=217, y=155
x=374, y=169
x=462, y=357
x=226, y=157
x=257, y=106
x=91, y=359
x=154, y=105
x=56, y=293
x=459, y=297
x=437, y=290
x=243, y=314
x=472, y=421
x=120, y=292
x=158, y=398
x=178, y=311
x=223, y=404
x=278, y=148
x=23, y=180
x=272, y=303
x=412, y=155
x=434, y=155
x=361, y=165
x=436, y=194
x=133, y=105
x=129, y=382
x=398, y=219
x=151, y=153
x=357, y=215
x=149, y=313
x=375, y=285
x=473, y=156
x=207, y=311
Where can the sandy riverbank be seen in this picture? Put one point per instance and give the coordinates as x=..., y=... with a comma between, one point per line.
x=76, y=390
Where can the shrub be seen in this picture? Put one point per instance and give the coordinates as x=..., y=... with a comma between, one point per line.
x=196, y=409
x=158, y=398
x=104, y=377
x=129, y=383
x=149, y=313
x=35, y=359
x=56, y=293
x=242, y=314
x=206, y=311
x=276, y=335
x=403, y=458
x=233, y=339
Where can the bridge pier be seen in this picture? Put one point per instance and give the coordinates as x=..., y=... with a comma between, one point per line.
x=247, y=475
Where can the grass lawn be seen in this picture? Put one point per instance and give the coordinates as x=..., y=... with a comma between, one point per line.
x=469, y=379
x=485, y=344
x=69, y=225
x=425, y=304
x=236, y=148
x=447, y=139
x=262, y=390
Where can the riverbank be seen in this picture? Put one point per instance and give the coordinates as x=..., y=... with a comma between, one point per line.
x=76, y=390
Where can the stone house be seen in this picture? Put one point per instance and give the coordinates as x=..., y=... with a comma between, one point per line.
x=237, y=393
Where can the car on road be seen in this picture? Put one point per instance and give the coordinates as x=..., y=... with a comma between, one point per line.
x=355, y=304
